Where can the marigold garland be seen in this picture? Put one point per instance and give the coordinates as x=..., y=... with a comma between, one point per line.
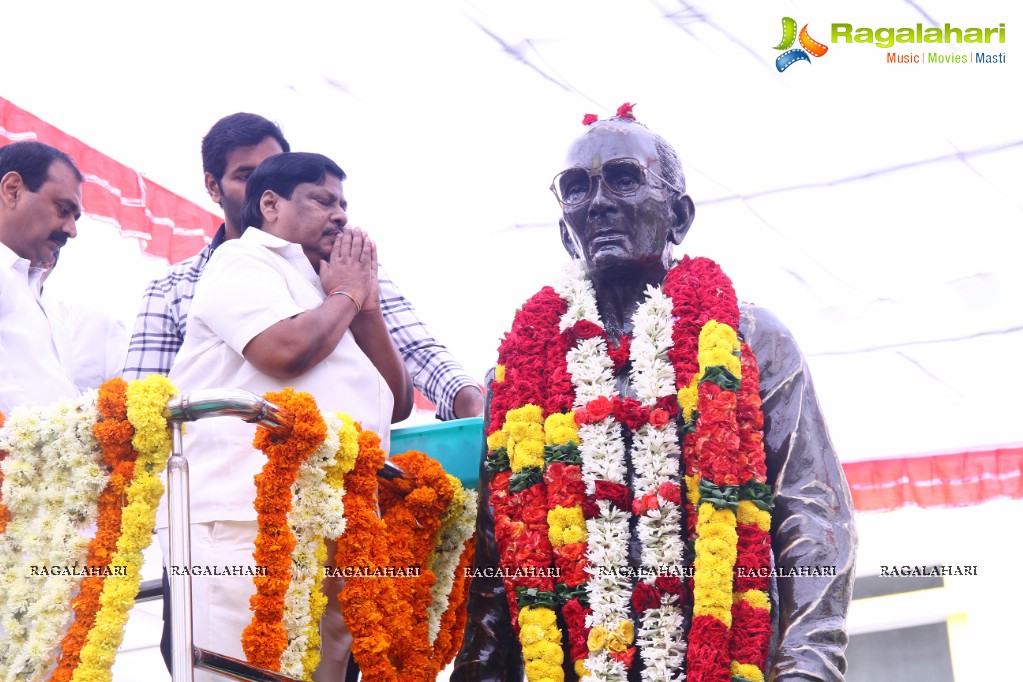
x=426, y=522
x=265, y=639
x=411, y=508
x=317, y=512
x=368, y=604
x=106, y=452
x=114, y=433
x=146, y=401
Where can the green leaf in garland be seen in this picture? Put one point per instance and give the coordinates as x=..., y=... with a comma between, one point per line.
x=688, y=426
x=533, y=596
x=722, y=377
x=724, y=497
x=759, y=494
x=525, y=478
x=566, y=594
x=497, y=461
x=565, y=454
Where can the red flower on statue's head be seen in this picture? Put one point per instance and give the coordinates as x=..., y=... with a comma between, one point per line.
x=625, y=111
x=589, y=119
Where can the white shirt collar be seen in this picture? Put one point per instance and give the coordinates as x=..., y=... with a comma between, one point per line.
x=290, y=251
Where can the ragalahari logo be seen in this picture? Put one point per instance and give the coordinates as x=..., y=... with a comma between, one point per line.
x=808, y=46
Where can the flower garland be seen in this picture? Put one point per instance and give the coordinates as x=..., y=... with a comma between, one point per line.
x=426, y=524
x=655, y=456
x=516, y=461
x=450, y=562
x=666, y=355
x=604, y=470
x=456, y=527
x=317, y=512
x=411, y=508
x=368, y=605
x=114, y=433
x=751, y=610
x=98, y=460
x=146, y=401
x=53, y=478
x=266, y=638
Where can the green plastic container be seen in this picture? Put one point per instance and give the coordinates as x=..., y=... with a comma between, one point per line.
x=456, y=444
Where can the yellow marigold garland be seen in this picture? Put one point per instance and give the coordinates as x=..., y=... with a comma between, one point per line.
x=146, y=403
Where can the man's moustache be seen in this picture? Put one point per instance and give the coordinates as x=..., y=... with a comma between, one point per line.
x=59, y=238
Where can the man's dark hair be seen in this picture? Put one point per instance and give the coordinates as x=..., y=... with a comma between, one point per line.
x=231, y=132
x=282, y=173
x=31, y=160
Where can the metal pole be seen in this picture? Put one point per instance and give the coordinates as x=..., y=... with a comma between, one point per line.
x=180, y=556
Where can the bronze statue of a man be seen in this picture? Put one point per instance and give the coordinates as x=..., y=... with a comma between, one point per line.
x=659, y=495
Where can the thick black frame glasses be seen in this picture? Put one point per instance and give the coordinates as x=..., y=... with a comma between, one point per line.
x=621, y=177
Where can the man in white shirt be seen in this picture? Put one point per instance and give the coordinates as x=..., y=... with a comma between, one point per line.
x=40, y=200
x=292, y=302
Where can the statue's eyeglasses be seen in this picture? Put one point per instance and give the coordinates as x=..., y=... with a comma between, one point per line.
x=621, y=177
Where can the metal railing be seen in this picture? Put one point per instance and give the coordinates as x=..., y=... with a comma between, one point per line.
x=185, y=656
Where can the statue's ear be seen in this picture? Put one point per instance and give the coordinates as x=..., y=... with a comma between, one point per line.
x=685, y=211
x=568, y=240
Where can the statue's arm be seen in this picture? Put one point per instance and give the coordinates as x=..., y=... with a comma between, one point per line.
x=490, y=649
x=812, y=521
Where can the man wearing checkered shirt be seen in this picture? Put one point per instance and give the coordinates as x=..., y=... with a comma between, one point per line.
x=231, y=150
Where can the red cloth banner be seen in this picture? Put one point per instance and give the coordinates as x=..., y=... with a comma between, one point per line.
x=947, y=480
x=168, y=225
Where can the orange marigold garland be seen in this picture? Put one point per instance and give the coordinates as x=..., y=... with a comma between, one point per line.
x=368, y=604
x=411, y=508
x=265, y=639
x=113, y=432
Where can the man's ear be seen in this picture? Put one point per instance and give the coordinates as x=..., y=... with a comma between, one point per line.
x=212, y=188
x=685, y=211
x=568, y=241
x=268, y=205
x=11, y=187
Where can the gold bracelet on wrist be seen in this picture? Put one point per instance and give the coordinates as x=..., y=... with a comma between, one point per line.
x=342, y=292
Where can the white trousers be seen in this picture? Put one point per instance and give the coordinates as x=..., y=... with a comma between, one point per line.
x=220, y=604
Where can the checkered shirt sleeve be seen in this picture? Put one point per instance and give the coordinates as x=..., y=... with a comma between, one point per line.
x=160, y=325
x=434, y=371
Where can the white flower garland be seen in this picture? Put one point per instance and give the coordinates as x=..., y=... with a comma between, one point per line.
x=602, y=449
x=317, y=512
x=656, y=455
x=53, y=478
x=457, y=527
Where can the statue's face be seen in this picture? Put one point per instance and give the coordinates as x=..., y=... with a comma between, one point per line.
x=609, y=230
